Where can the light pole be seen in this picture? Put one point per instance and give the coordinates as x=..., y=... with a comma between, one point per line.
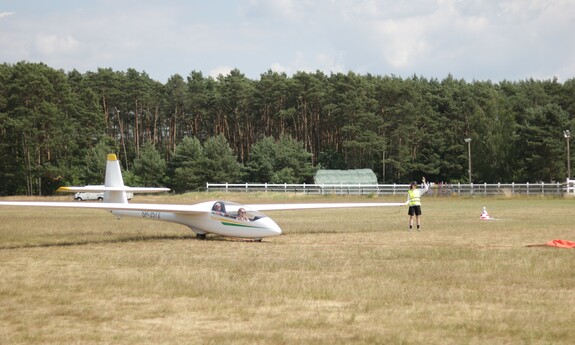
x=468, y=141
x=567, y=135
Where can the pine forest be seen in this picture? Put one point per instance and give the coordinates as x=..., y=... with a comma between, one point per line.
x=56, y=128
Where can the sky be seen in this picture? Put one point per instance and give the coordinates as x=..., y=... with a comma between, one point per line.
x=480, y=40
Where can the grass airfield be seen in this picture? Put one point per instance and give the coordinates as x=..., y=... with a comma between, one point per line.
x=334, y=276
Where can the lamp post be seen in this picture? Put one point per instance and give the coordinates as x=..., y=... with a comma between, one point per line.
x=468, y=141
x=567, y=135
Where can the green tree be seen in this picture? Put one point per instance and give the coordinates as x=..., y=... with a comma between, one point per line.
x=293, y=162
x=262, y=161
x=233, y=106
x=543, y=149
x=306, y=120
x=353, y=116
x=282, y=161
x=199, y=99
x=220, y=165
x=274, y=103
x=11, y=170
x=492, y=146
x=175, y=105
x=38, y=116
x=94, y=168
x=185, y=168
x=150, y=168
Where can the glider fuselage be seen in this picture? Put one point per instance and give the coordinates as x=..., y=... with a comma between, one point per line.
x=225, y=223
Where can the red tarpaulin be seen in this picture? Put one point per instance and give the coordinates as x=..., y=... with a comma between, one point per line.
x=561, y=244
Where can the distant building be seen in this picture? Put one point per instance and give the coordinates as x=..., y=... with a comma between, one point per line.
x=352, y=176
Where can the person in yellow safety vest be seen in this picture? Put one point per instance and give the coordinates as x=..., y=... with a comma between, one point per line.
x=414, y=202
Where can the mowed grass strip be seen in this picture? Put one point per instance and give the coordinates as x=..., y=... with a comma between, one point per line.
x=334, y=276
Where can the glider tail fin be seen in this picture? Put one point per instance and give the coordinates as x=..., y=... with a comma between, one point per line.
x=114, y=188
x=114, y=179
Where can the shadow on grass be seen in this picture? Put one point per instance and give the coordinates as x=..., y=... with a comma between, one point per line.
x=139, y=238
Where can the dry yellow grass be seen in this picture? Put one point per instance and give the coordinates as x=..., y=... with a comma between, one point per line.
x=335, y=276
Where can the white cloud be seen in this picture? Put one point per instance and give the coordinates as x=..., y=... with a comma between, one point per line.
x=48, y=45
x=220, y=70
x=299, y=63
x=472, y=39
x=6, y=14
x=331, y=62
x=277, y=9
x=401, y=42
x=279, y=68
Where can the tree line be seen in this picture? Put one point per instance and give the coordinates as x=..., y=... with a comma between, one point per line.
x=56, y=127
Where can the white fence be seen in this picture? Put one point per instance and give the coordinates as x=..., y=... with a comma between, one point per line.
x=446, y=189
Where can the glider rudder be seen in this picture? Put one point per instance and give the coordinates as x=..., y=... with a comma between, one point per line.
x=114, y=179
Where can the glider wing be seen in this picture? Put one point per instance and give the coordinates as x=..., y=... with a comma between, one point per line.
x=189, y=209
x=275, y=207
x=113, y=189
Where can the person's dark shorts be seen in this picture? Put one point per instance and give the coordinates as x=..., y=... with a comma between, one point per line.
x=414, y=210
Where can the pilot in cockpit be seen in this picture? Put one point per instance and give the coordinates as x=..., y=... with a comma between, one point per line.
x=218, y=209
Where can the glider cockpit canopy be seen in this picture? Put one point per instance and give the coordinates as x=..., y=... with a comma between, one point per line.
x=230, y=209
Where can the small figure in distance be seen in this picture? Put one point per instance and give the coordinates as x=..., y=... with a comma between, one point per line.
x=414, y=202
x=242, y=215
x=217, y=209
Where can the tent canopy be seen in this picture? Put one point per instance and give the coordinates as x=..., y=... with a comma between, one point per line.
x=354, y=176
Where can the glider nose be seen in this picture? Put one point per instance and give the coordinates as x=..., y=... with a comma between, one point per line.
x=277, y=230
x=272, y=227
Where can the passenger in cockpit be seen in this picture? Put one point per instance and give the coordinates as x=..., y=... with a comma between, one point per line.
x=242, y=215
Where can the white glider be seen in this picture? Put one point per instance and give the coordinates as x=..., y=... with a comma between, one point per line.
x=212, y=217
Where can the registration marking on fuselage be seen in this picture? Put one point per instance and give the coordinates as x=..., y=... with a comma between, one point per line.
x=153, y=215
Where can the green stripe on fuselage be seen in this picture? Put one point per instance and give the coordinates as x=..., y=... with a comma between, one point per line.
x=240, y=225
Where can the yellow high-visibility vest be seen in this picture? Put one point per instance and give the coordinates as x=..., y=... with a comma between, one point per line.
x=414, y=197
